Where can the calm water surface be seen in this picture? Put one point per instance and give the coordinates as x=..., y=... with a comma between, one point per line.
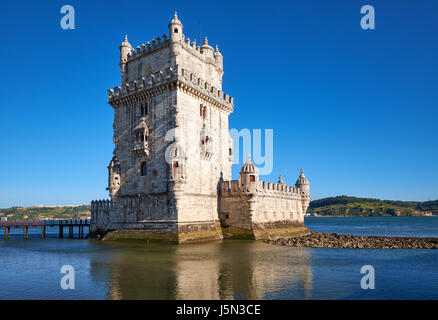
x=30, y=269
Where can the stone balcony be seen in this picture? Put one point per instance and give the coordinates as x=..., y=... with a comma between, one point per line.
x=141, y=148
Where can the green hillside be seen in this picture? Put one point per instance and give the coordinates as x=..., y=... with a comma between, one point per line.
x=334, y=206
x=352, y=206
x=36, y=213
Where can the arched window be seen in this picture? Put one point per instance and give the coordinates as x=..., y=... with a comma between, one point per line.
x=143, y=168
x=203, y=111
x=175, y=31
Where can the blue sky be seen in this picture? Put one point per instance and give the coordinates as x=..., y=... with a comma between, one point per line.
x=356, y=109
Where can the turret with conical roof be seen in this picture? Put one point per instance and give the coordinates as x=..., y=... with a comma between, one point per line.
x=207, y=50
x=125, y=49
x=249, y=175
x=175, y=29
x=280, y=180
x=302, y=183
x=219, y=59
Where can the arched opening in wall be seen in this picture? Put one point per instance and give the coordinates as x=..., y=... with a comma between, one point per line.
x=175, y=31
x=175, y=164
x=203, y=111
x=252, y=178
x=143, y=168
x=230, y=152
x=143, y=109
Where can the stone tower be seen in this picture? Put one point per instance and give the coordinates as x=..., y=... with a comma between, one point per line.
x=170, y=175
x=171, y=138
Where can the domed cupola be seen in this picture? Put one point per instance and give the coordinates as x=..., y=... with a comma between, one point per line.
x=175, y=20
x=249, y=176
x=302, y=183
x=249, y=167
x=125, y=49
x=175, y=29
x=207, y=50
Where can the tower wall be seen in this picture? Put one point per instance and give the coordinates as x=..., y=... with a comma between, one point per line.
x=169, y=159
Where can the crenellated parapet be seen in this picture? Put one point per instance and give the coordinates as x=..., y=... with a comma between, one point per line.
x=100, y=215
x=276, y=188
x=192, y=83
x=147, y=83
x=101, y=205
x=233, y=187
x=204, y=53
x=185, y=79
x=148, y=47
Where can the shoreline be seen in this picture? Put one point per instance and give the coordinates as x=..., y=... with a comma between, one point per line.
x=333, y=240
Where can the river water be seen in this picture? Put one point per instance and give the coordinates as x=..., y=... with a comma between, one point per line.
x=30, y=269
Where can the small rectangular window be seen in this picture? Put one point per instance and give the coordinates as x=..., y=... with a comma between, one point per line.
x=251, y=178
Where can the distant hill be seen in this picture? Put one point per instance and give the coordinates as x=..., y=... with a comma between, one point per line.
x=36, y=213
x=352, y=206
x=334, y=206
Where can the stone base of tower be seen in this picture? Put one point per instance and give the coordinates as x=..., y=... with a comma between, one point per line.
x=199, y=231
x=175, y=232
x=279, y=229
x=266, y=231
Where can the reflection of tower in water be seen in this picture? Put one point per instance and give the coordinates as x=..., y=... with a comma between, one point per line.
x=242, y=270
x=220, y=270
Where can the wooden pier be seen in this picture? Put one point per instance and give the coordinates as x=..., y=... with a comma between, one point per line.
x=43, y=224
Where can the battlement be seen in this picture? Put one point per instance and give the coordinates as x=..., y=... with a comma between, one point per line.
x=233, y=187
x=163, y=41
x=187, y=80
x=149, y=47
x=204, y=52
x=192, y=80
x=101, y=205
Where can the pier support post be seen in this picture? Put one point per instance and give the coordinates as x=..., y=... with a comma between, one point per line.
x=61, y=231
x=9, y=233
x=43, y=231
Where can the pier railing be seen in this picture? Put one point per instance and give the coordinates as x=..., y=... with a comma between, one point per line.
x=43, y=224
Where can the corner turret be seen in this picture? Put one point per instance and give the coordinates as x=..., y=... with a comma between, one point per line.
x=303, y=184
x=207, y=50
x=175, y=29
x=304, y=188
x=219, y=59
x=113, y=176
x=249, y=176
x=280, y=180
x=125, y=49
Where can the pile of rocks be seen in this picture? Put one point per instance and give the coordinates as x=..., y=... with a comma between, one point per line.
x=333, y=240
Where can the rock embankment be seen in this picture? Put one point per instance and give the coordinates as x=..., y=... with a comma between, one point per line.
x=333, y=240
